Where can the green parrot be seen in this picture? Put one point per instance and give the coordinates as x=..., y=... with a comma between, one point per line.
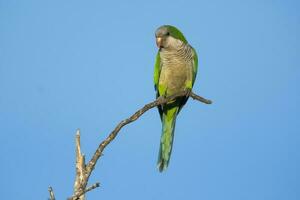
x=174, y=71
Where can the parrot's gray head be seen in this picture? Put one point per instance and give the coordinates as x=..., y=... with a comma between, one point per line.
x=169, y=37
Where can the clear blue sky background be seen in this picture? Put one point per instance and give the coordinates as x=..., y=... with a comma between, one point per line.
x=89, y=64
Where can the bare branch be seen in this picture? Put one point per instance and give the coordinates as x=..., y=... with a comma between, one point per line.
x=81, y=193
x=135, y=116
x=80, y=180
x=92, y=187
x=51, y=193
x=201, y=99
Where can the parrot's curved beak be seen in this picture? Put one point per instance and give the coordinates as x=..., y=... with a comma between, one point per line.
x=159, y=42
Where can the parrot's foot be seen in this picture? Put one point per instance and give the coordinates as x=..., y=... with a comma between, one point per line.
x=188, y=92
x=160, y=98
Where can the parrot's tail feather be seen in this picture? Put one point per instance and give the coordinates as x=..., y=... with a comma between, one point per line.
x=166, y=141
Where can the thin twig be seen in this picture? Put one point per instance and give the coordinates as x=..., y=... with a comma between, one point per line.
x=81, y=193
x=52, y=197
x=160, y=101
x=201, y=99
x=92, y=187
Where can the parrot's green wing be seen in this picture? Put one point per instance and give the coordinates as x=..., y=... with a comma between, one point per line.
x=157, y=69
x=195, y=65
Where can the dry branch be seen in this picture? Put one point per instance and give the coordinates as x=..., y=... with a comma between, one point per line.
x=51, y=193
x=84, y=171
x=80, y=169
x=81, y=193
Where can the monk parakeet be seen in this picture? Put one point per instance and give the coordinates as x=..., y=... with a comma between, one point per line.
x=175, y=70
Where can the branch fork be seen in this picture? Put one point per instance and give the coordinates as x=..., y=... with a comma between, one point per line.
x=83, y=170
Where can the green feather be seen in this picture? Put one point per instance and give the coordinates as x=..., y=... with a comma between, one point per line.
x=166, y=141
x=195, y=65
x=174, y=32
x=157, y=69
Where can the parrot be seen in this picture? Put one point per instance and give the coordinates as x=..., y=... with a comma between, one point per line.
x=175, y=71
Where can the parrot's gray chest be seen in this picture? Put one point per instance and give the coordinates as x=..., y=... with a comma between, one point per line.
x=176, y=69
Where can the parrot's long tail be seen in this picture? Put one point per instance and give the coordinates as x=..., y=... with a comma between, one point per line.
x=166, y=140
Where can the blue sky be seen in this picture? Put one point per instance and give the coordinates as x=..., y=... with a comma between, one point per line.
x=89, y=64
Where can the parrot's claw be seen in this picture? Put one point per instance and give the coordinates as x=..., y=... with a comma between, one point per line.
x=188, y=92
x=160, y=98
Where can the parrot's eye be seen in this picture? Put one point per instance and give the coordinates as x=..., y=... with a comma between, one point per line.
x=168, y=33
